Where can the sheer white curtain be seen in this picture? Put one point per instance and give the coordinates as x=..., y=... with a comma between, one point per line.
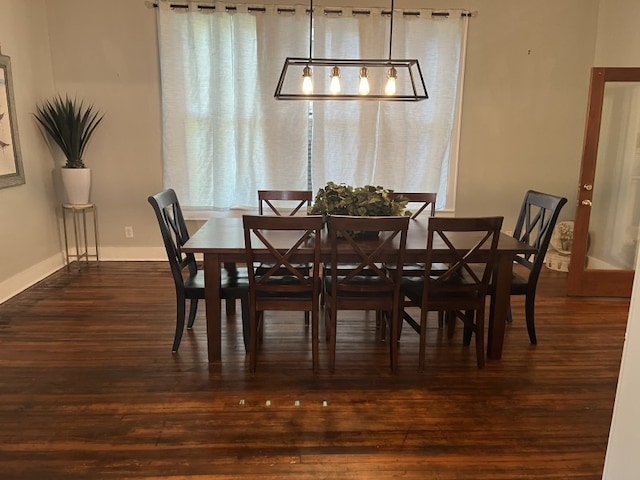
x=225, y=136
x=404, y=146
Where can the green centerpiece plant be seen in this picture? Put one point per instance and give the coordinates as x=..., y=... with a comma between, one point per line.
x=369, y=200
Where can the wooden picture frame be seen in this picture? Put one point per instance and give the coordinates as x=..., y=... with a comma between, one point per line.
x=11, y=171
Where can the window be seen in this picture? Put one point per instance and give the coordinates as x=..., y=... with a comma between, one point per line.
x=225, y=136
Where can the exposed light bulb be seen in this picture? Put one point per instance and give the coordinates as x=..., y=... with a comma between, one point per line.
x=307, y=81
x=390, y=87
x=364, y=82
x=334, y=87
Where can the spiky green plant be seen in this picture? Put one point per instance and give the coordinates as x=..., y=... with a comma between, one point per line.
x=70, y=124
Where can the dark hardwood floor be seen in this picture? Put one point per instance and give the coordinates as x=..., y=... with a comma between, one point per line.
x=89, y=389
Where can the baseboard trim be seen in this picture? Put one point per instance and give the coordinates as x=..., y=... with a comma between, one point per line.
x=31, y=275
x=133, y=254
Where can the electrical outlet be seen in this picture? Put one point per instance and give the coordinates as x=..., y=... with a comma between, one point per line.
x=128, y=232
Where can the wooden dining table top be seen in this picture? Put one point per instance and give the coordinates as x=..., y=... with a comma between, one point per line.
x=226, y=236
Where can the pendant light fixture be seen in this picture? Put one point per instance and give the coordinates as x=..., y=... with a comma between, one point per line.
x=328, y=78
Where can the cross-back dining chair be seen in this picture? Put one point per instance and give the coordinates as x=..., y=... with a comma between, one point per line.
x=188, y=279
x=536, y=221
x=357, y=278
x=281, y=242
x=284, y=202
x=461, y=289
x=419, y=202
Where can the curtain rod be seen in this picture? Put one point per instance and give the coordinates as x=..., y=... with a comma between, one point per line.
x=325, y=11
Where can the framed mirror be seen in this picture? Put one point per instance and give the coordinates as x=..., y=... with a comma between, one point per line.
x=11, y=172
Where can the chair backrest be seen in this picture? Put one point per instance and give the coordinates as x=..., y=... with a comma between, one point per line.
x=279, y=243
x=537, y=218
x=426, y=201
x=174, y=233
x=354, y=239
x=471, y=244
x=279, y=200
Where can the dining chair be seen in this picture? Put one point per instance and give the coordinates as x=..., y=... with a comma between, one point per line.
x=357, y=278
x=536, y=221
x=418, y=202
x=188, y=279
x=281, y=242
x=426, y=202
x=423, y=201
x=461, y=290
x=284, y=202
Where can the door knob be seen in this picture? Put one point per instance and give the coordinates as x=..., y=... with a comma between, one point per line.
x=587, y=203
x=588, y=187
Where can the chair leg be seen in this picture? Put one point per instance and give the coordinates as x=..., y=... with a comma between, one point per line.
x=330, y=316
x=306, y=319
x=479, y=331
x=384, y=322
x=423, y=339
x=468, y=327
x=509, y=314
x=260, y=325
x=450, y=318
x=381, y=324
x=246, y=323
x=253, y=337
x=529, y=311
x=327, y=328
x=180, y=312
x=315, y=313
x=391, y=318
x=193, y=308
x=230, y=305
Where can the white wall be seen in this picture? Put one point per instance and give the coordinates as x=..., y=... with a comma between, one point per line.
x=525, y=98
x=618, y=43
x=111, y=58
x=622, y=461
x=30, y=246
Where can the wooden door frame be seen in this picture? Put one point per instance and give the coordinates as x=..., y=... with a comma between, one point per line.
x=583, y=282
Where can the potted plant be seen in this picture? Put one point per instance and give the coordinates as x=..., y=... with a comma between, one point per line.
x=71, y=124
x=369, y=200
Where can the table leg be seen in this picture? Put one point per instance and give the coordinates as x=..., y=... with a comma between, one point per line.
x=213, y=306
x=499, y=304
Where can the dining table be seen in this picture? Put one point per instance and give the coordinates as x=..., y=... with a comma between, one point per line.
x=221, y=242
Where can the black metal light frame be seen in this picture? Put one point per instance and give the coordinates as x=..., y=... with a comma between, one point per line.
x=411, y=68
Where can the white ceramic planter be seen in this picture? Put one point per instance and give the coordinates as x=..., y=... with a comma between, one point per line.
x=77, y=185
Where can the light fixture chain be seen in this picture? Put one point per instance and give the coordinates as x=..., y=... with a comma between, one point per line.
x=310, y=30
x=391, y=30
